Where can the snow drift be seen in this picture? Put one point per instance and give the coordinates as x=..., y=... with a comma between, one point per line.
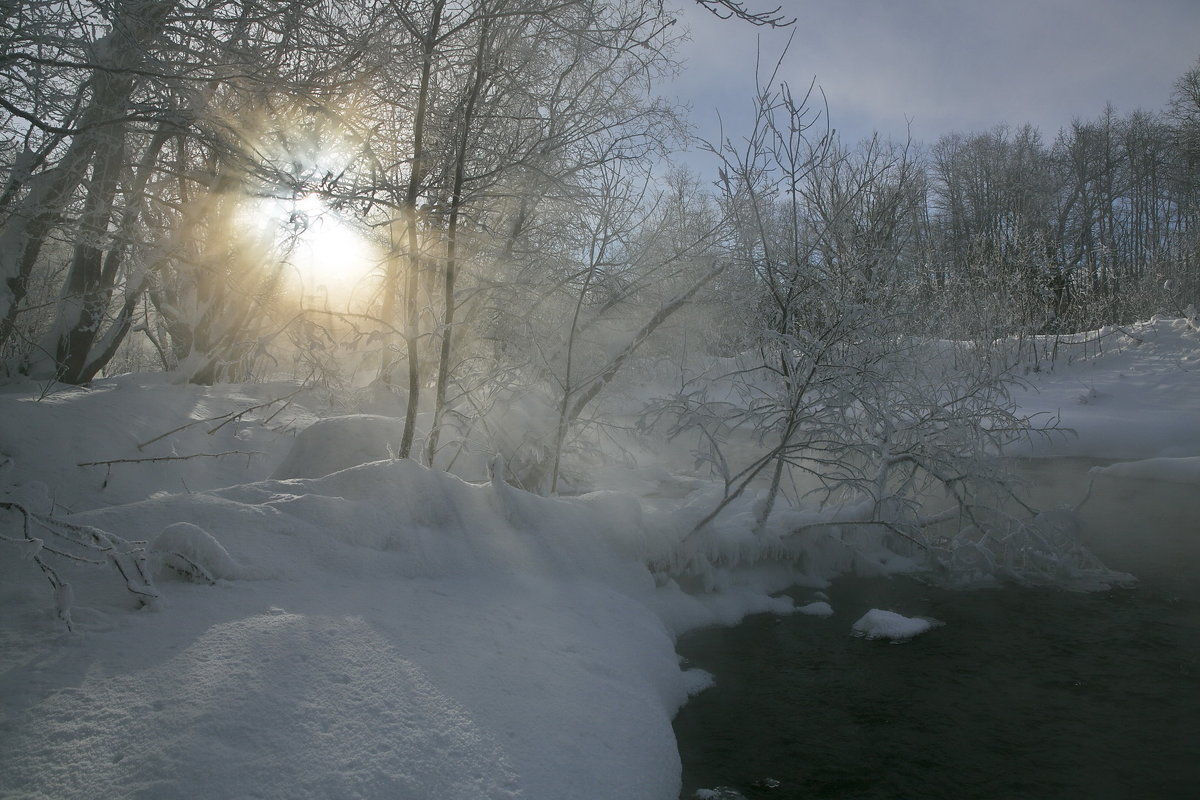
x=383, y=630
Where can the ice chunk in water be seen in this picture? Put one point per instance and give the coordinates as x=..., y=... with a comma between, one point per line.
x=880, y=624
x=816, y=609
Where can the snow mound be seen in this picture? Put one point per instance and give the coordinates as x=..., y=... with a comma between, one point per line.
x=141, y=434
x=190, y=549
x=880, y=624
x=336, y=443
x=697, y=680
x=280, y=705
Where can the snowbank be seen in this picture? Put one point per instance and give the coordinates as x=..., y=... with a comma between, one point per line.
x=231, y=434
x=1168, y=470
x=1125, y=392
x=409, y=635
x=382, y=630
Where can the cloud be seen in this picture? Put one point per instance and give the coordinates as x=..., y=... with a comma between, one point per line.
x=962, y=66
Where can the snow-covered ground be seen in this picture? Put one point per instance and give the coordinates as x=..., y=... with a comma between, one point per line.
x=1127, y=392
x=382, y=630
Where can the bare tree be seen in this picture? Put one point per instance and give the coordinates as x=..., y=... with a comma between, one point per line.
x=840, y=387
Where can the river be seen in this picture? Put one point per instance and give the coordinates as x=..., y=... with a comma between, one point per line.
x=1022, y=693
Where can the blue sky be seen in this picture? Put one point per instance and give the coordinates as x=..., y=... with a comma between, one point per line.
x=948, y=65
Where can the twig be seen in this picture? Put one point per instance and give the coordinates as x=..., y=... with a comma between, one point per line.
x=111, y=461
x=229, y=417
x=881, y=523
x=233, y=418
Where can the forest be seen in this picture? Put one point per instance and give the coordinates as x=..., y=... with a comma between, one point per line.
x=473, y=205
x=503, y=170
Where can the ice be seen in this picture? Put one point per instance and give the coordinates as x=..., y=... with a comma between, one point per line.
x=817, y=609
x=880, y=624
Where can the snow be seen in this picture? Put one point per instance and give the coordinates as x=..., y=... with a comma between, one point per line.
x=816, y=609
x=1125, y=392
x=422, y=657
x=1130, y=397
x=383, y=630
x=880, y=624
x=335, y=443
x=190, y=549
x=719, y=793
x=331, y=621
x=1168, y=470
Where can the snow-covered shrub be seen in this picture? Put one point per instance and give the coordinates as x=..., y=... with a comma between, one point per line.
x=1044, y=549
x=839, y=409
x=193, y=552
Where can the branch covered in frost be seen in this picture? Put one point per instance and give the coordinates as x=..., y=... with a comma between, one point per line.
x=227, y=418
x=111, y=461
x=727, y=9
x=82, y=544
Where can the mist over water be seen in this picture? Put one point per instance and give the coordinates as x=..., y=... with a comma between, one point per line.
x=1024, y=692
x=1149, y=528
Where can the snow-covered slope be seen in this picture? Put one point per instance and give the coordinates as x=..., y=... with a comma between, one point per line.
x=398, y=633
x=383, y=631
x=1126, y=393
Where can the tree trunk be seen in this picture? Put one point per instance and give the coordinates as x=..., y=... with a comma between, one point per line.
x=99, y=139
x=479, y=76
x=412, y=280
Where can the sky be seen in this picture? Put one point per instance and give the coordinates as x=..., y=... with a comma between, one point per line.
x=937, y=66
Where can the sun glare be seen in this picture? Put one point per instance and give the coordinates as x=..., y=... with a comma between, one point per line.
x=328, y=261
x=328, y=256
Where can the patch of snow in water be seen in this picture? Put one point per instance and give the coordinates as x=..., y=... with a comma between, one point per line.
x=880, y=624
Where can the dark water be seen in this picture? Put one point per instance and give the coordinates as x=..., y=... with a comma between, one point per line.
x=1024, y=693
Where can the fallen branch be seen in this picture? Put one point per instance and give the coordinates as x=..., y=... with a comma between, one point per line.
x=229, y=417
x=111, y=461
x=123, y=555
x=108, y=463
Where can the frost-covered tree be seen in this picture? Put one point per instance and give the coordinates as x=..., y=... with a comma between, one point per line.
x=849, y=409
x=114, y=126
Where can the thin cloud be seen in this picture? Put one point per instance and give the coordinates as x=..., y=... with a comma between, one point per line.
x=953, y=66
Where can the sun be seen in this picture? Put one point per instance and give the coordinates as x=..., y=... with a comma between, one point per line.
x=328, y=262
x=328, y=257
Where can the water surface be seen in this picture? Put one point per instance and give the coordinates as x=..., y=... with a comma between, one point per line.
x=1023, y=693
